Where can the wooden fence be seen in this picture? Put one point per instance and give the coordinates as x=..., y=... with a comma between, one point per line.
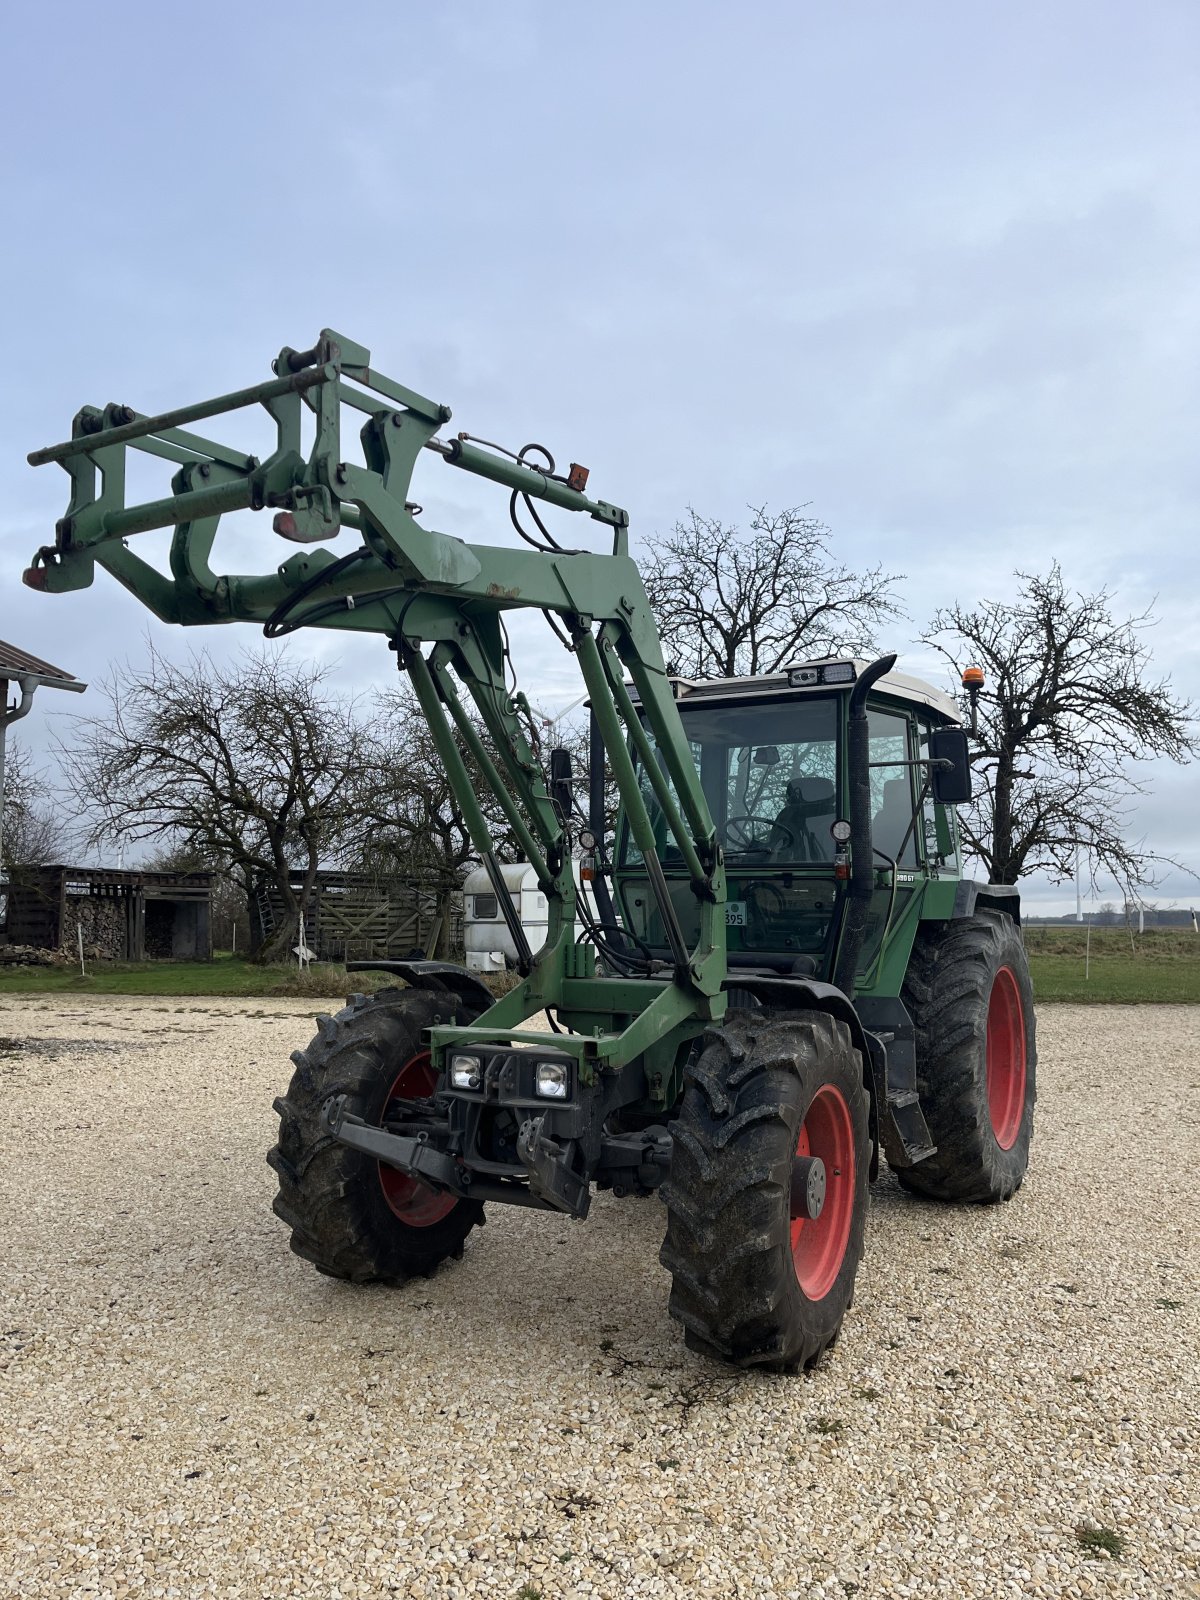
x=354, y=916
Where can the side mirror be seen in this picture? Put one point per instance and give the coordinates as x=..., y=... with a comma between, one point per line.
x=951, y=784
x=560, y=780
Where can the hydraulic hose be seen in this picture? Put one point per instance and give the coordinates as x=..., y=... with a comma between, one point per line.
x=596, y=819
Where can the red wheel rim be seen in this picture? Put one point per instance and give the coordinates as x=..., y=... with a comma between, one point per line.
x=414, y=1202
x=819, y=1247
x=1005, y=1058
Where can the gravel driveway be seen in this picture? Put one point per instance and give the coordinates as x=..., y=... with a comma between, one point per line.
x=188, y=1409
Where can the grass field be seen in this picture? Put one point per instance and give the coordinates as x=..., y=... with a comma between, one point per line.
x=225, y=975
x=1163, y=966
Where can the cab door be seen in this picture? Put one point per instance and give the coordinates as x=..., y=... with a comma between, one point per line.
x=894, y=832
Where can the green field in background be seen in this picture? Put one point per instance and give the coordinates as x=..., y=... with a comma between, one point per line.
x=225, y=975
x=1163, y=965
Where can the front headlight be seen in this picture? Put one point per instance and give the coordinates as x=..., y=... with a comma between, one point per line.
x=466, y=1072
x=552, y=1080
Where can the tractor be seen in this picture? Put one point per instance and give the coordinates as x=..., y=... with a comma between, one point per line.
x=783, y=973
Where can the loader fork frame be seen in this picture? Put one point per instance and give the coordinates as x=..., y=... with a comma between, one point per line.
x=441, y=604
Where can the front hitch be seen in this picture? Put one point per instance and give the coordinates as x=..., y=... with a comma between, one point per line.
x=415, y=1156
x=412, y=1155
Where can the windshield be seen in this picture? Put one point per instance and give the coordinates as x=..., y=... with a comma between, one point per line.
x=769, y=774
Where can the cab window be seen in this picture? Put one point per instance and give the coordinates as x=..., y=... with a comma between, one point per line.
x=769, y=774
x=893, y=832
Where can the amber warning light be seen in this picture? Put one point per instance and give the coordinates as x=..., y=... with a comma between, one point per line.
x=972, y=680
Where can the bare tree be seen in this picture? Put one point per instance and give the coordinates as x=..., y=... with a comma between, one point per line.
x=412, y=825
x=729, y=601
x=413, y=821
x=254, y=766
x=1068, y=705
x=33, y=836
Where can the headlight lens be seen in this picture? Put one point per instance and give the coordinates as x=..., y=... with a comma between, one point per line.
x=466, y=1072
x=552, y=1080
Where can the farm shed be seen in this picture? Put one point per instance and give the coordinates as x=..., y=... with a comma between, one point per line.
x=128, y=916
x=28, y=673
x=353, y=916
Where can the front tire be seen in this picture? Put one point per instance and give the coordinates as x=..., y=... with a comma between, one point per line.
x=754, y=1279
x=350, y=1215
x=971, y=1001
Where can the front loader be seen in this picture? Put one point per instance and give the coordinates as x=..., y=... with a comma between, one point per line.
x=785, y=972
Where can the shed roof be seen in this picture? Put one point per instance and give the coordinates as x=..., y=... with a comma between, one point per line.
x=15, y=663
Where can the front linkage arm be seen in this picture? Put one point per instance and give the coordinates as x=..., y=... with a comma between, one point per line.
x=440, y=602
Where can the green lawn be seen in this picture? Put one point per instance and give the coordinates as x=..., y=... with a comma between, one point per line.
x=226, y=975
x=1163, y=966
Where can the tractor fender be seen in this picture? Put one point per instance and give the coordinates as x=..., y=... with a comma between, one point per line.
x=812, y=994
x=971, y=895
x=445, y=975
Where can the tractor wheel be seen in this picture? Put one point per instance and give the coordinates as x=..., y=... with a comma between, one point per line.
x=350, y=1215
x=767, y=1198
x=971, y=1001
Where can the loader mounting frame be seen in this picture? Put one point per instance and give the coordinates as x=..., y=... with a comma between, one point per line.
x=441, y=604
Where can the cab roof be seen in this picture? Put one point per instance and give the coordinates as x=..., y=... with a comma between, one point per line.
x=899, y=685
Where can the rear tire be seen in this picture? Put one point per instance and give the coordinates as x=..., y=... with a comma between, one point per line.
x=971, y=1001
x=750, y=1283
x=350, y=1215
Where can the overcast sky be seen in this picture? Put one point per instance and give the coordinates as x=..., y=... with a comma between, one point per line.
x=931, y=270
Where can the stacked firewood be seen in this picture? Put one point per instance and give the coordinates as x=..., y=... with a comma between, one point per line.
x=103, y=924
x=29, y=955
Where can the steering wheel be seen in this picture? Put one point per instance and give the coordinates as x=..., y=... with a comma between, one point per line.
x=745, y=842
x=757, y=886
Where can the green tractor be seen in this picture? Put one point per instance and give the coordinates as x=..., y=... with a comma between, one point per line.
x=785, y=971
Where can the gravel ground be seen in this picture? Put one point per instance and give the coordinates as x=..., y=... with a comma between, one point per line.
x=188, y=1409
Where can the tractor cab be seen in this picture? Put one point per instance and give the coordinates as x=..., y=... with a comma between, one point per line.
x=771, y=755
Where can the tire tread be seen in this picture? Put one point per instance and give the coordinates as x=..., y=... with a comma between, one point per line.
x=946, y=993
x=327, y=1191
x=728, y=1245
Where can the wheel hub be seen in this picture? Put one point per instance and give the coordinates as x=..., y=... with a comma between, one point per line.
x=808, y=1188
x=1005, y=1058
x=412, y=1201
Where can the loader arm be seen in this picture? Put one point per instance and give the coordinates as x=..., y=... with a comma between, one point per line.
x=440, y=603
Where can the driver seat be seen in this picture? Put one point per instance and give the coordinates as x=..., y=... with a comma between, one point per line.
x=894, y=818
x=801, y=830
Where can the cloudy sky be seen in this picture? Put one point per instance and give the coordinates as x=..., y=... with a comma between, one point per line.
x=931, y=270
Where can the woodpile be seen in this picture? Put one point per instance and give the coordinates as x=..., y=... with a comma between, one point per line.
x=103, y=922
x=29, y=955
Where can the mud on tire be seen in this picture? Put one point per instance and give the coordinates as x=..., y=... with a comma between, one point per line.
x=739, y=1263
x=971, y=1002
x=333, y=1198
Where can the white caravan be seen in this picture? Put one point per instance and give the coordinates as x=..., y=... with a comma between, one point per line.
x=488, y=942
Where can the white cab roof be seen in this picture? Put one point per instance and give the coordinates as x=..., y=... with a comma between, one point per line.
x=898, y=684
